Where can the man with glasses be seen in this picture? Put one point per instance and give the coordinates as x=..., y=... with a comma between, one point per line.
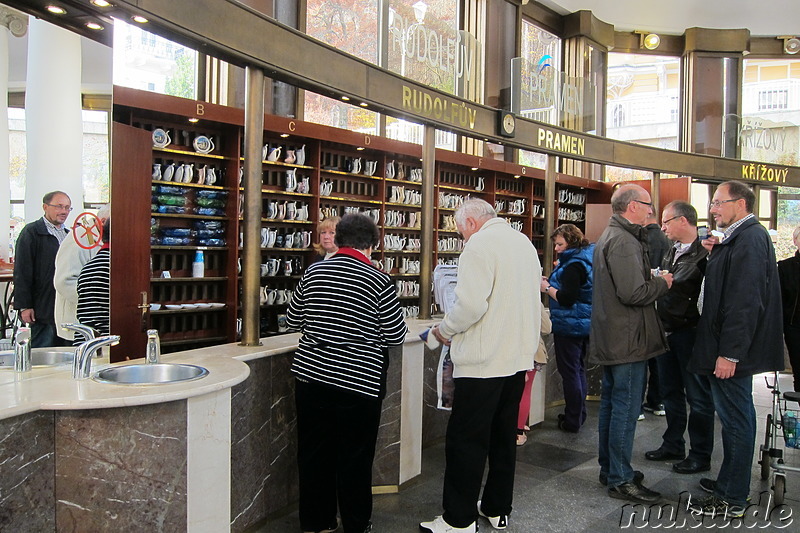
x=739, y=334
x=34, y=269
x=686, y=261
x=625, y=333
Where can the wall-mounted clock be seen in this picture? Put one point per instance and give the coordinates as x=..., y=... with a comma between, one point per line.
x=506, y=124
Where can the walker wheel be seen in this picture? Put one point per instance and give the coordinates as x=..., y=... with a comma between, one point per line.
x=779, y=489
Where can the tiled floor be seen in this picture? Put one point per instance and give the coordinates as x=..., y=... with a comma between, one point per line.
x=557, y=489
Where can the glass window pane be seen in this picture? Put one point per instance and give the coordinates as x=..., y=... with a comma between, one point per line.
x=324, y=110
x=145, y=61
x=539, y=74
x=642, y=99
x=769, y=128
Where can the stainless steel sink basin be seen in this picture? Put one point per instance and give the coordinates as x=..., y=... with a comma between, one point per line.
x=40, y=357
x=142, y=374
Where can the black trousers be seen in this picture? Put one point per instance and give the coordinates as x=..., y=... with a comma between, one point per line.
x=336, y=435
x=483, y=425
x=791, y=334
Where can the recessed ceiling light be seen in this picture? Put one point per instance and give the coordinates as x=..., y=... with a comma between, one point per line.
x=140, y=19
x=56, y=10
x=474, y=168
x=194, y=119
x=360, y=148
x=363, y=104
x=345, y=98
x=94, y=26
x=516, y=176
x=101, y=3
x=284, y=135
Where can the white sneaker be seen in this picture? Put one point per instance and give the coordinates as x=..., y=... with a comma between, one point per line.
x=497, y=522
x=438, y=525
x=641, y=417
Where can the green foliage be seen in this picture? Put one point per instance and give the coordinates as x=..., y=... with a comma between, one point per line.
x=182, y=82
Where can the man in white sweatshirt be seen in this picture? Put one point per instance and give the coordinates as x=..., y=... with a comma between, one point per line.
x=493, y=333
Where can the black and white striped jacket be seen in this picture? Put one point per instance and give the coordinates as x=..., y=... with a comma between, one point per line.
x=348, y=313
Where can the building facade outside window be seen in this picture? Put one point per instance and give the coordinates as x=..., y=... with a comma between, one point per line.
x=769, y=131
x=642, y=103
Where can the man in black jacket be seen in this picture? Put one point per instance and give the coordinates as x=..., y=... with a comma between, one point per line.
x=686, y=260
x=739, y=334
x=35, y=267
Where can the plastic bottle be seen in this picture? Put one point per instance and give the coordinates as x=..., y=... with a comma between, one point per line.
x=199, y=265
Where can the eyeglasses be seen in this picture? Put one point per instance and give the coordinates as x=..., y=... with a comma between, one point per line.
x=648, y=204
x=670, y=219
x=717, y=203
x=61, y=207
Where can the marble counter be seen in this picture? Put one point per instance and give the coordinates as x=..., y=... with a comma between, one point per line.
x=214, y=454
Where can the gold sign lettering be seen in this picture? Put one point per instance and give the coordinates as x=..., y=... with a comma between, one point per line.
x=561, y=142
x=439, y=108
x=201, y=109
x=762, y=172
x=367, y=140
x=292, y=125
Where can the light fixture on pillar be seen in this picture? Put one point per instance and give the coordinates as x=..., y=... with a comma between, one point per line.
x=791, y=44
x=648, y=41
x=420, y=8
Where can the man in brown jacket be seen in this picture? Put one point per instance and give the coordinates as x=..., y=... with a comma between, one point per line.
x=625, y=333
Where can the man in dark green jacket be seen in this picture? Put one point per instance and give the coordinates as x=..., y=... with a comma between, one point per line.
x=625, y=333
x=739, y=334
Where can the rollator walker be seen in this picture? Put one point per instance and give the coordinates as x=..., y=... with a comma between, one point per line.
x=783, y=424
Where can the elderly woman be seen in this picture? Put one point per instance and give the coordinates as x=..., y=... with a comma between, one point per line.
x=349, y=314
x=570, y=290
x=789, y=275
x=327, y=237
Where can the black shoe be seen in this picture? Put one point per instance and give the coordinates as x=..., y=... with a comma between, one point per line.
x=562, y=425
x=634, y=492
x=663, y=455
x=637, y=477
x=708, y=484
x=691, y=466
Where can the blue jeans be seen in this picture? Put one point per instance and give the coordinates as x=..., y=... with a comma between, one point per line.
x=571, y=364
x=44, y=335
x=733, y=399
x=678, y=386
x=620, y=404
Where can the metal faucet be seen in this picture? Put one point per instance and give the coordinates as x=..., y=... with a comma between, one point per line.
x=153, y=353
x=82, y=364
x=88, y=332
x=22, y=350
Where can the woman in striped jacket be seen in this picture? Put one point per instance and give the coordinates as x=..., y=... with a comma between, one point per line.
x=349, y=314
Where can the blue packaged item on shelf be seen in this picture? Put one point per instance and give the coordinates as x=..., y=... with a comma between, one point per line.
x=211, y=242
x=169, y=189
x=176, y=232
x=209, y=225
x=213, y=195
x=177, y=241
x=209, y=211
x=171, y=210
x=210, y=233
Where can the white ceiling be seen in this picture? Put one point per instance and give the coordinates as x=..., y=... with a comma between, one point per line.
x=765, y=17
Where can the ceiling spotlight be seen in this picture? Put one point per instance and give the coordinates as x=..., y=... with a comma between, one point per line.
x=101, y=3
x=791, y=44
x=363, y=104
x=94, y=26
x=284, y=135
x=648, y=41
x=359, y=148
x=474, y=168
x=139, y=19
x=194, y=120
x=345, y=98
x=56, y=10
